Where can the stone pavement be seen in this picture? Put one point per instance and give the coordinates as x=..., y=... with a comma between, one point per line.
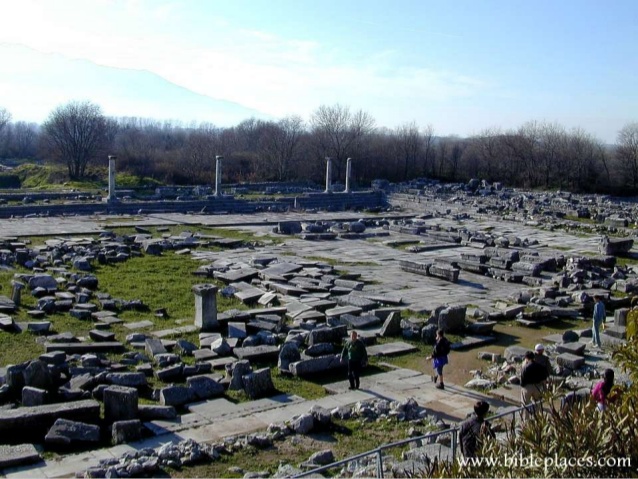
x=213, y=420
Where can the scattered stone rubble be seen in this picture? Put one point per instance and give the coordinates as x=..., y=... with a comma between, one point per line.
x=148, y=462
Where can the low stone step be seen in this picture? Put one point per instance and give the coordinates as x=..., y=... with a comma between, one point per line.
x=577, y=349
x=570, y=361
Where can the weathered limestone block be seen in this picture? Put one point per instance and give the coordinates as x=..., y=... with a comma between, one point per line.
x=258, y=384
x=315, y=365
x=575, y=348
x=33, y=396
x=176, y=396
x=391, y=325
x=205, y=386
x=206, y=306
x=452, y=319
x=32, y=423
x=570, y=361
x=120, y=403
x=237, y=371
x=327, y=335
x=289, y=353
x=123, y=432
x=131, y=380
x=64, y=432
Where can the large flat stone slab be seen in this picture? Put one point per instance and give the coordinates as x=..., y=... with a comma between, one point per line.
x=257, y=353
x=472, y=341
x=338, y=311
x=570, y=361
x=139, y=324
x=578, y=349
x=81, y=348
x=391, y=349
x=25, y=424
x=18, y=455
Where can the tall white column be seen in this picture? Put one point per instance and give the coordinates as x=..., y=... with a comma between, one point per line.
x=111, y=198
x=218, y=175
x=328, y=175
x=348, y=173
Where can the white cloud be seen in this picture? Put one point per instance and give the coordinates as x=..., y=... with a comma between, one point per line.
x=258, y=69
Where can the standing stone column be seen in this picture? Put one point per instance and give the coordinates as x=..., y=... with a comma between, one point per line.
x=206, y=306
x=328, y=175
x=112, y=198
x=348, y=173
x=218, y=175
x=16, y=296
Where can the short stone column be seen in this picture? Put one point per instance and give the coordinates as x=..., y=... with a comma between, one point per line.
x=112, y=198
x=218, y=175
x=16, y=295
x=328, y=175
x=206, y=307
x=348, y=173
x=120, y=403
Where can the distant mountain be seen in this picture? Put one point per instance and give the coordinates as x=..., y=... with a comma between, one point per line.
x=32, y=83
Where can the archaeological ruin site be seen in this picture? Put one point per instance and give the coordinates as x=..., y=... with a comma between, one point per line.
x=97, y=382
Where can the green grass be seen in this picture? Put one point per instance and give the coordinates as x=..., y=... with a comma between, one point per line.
x=580, y=220
x=626, y=261
x=344, y=437
x=159, y=281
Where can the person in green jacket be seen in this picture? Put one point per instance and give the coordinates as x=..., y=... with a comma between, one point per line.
x=357, y=356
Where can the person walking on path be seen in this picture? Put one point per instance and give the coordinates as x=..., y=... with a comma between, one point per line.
x=439, y=356
x=355, y=351
x=540, y=358
x=600, y=392
x=533, y=376
x=474, y=430
x=598, y=319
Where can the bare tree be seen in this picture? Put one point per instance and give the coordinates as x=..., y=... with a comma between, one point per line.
x=198, y=163
x=5, y=118
x=280, y=143
x=552, y=146
x=407, y=147
x=23, y=139
x=76, y=133
x=339, y=133
x=427, y=146
x=627, y=153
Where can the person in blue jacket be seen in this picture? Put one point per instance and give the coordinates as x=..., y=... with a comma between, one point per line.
x=439, y=357
x=598, y=319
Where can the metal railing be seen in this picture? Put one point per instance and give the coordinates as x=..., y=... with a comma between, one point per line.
x=424, y=439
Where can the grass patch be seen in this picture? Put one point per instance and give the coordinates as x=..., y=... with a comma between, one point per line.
x=158, y=281
x=626, y=261
x=345, y=438
x=576, y=219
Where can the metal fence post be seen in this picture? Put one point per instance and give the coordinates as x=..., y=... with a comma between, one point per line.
x=454, y=438
x=379, y=463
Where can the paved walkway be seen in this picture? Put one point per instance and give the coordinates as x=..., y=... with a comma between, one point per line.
x=216, y=419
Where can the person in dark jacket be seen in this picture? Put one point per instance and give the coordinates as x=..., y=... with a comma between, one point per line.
x=474, y=430
x=533, y=376
x=439, y=357
x=542, y=359
x=355, y=351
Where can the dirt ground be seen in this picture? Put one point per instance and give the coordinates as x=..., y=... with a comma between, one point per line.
x=509, y=333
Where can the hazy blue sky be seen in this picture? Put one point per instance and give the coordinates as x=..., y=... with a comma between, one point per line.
x=460, y=66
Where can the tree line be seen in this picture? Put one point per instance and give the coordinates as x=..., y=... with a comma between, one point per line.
x=535, y=155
